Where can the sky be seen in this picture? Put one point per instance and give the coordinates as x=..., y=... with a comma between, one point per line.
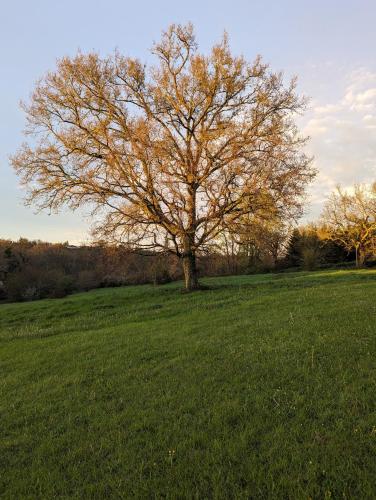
x=329, y=44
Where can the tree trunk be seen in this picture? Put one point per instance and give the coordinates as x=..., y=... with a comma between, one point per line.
x=190, y=271
x=361, y=257
x=189, y=250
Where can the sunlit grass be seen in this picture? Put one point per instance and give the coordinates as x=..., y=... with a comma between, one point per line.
x=262, y=386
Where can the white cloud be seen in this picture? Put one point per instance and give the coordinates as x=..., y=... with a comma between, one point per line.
x=327, y=109
x=343, y=138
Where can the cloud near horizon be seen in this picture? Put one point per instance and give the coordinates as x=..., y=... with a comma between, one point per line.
x=343, y=138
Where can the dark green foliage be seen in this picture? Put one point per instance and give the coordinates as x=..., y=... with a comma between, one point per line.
x=261, y=387
x=309, y=249
x=293, y=255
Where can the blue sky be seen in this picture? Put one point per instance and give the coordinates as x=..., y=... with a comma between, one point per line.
x=330, y=45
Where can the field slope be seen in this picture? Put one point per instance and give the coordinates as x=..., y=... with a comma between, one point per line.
x=261, y=387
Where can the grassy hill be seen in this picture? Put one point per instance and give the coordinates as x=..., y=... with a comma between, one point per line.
x=262, y=386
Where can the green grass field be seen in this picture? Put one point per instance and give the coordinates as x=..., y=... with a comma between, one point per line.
x=261, y=387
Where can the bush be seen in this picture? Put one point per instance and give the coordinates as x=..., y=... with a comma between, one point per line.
x=64, y=285
x=87, y=280
x=310, y=258
x=21, y=286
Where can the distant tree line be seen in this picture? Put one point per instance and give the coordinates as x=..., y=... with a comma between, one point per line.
x=34, y=269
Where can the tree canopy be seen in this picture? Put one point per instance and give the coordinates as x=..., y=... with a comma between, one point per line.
x=350, y=219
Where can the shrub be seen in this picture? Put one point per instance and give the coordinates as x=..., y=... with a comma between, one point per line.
x=310, y=258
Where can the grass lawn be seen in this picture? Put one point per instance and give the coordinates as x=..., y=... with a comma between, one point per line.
x=261, y=387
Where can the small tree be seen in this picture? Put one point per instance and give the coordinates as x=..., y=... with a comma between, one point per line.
x=164, y=156
x=261, y=237
x=305, y=247
x=350, y=219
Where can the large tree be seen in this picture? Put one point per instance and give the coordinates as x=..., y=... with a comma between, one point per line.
x=350, y=219
x=165, y=156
